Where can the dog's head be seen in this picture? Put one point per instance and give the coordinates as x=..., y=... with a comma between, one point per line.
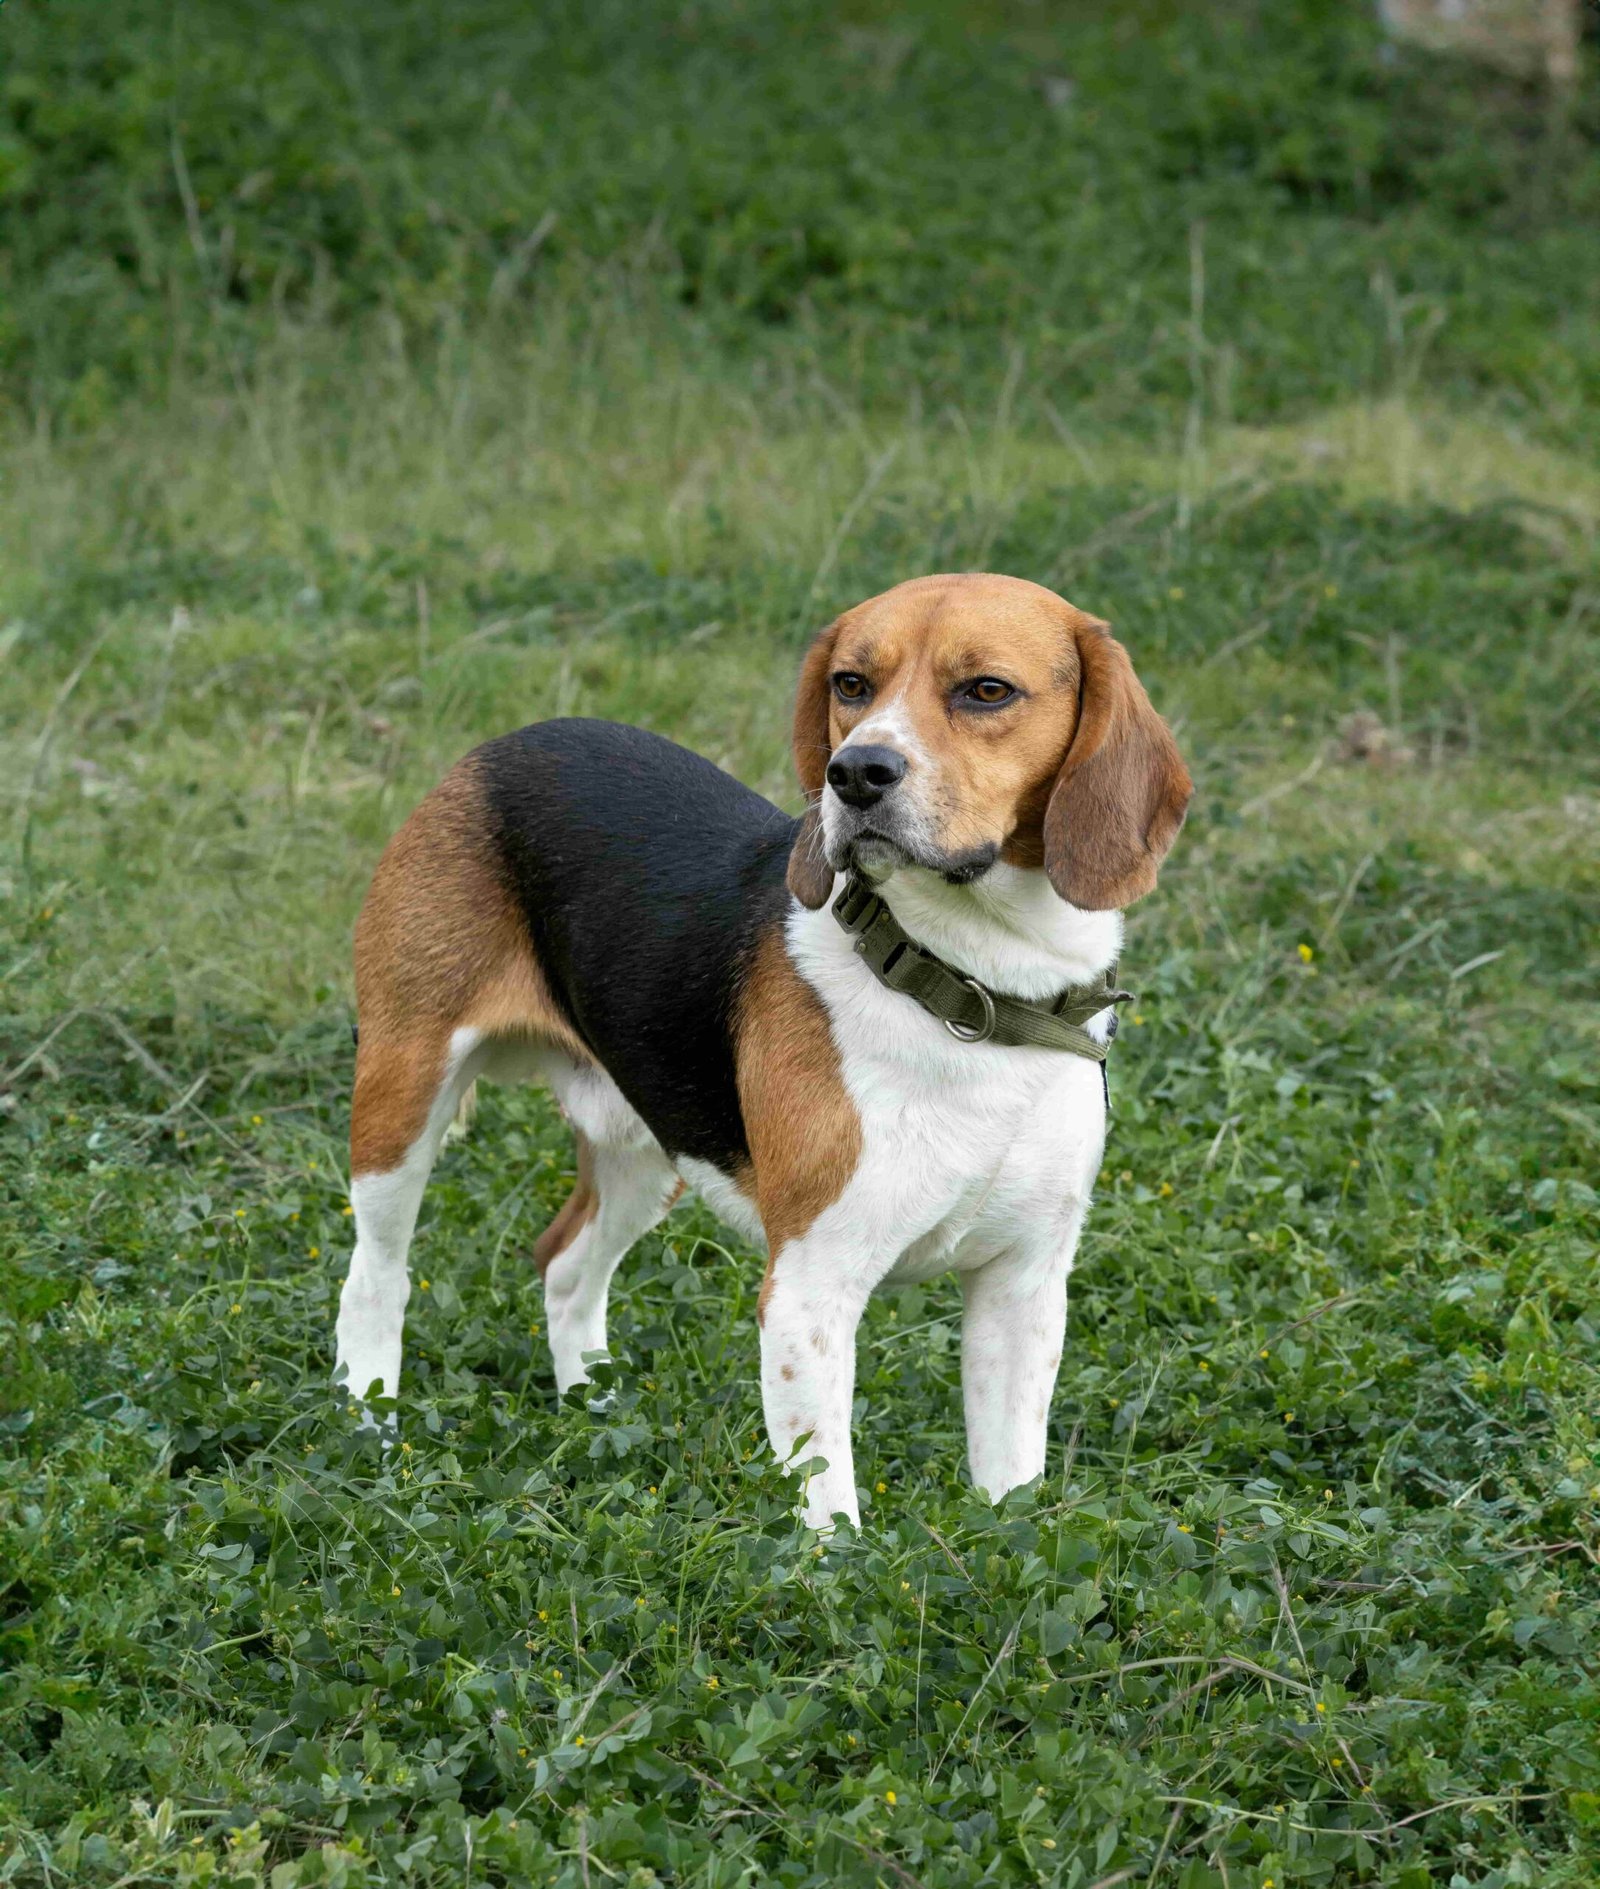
x=957, y=720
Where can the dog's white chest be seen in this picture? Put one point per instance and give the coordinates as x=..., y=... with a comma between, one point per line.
x=974, y=1150
x=1005, y=1154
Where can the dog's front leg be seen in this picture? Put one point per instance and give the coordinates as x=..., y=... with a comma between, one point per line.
x=811, y=1305
x=1012, y=1329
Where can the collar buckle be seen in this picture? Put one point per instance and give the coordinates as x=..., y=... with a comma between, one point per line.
x=853, y=906
x=975, y=1033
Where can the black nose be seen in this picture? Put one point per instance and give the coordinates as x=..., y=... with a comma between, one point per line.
x=862, y=776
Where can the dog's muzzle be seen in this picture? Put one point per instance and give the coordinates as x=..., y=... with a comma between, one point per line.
x=871, y=827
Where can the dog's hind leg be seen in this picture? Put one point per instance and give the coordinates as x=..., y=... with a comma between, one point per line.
x=405, y=1098
x=622, y=1191
x=624, y=1187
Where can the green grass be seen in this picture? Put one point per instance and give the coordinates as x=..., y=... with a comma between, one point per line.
x=1276, y=351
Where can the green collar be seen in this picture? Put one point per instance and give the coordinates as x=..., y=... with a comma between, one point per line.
x=967, y=1009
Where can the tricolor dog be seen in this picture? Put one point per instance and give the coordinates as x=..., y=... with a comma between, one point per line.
x=872, y=1039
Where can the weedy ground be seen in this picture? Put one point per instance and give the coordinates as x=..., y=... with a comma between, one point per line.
x=378, y=379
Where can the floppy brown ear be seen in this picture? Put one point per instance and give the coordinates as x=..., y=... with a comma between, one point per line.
x=812, y=697
x=810, y=879
x=1123, y=789
x=810, y=876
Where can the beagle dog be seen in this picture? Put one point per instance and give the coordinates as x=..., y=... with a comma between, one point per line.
x=906, y=1084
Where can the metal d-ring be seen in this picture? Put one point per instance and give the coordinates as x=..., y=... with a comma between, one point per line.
x=965, y=1032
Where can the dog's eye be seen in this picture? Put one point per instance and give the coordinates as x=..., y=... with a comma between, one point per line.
x=849, y=687
x=990, y=691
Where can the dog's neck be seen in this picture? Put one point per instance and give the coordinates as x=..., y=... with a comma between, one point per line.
x=1009, y=929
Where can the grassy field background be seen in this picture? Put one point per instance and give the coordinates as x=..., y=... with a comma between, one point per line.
x=376, y=379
